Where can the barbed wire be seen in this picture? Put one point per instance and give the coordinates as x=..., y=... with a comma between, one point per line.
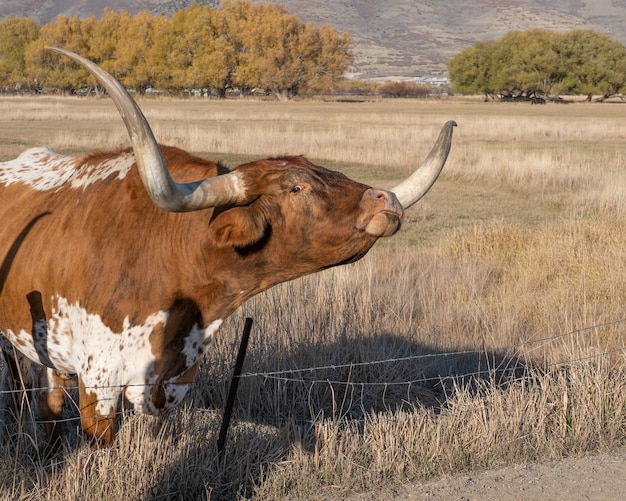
x=281, y=375
x=289, y=375
x=507, y=349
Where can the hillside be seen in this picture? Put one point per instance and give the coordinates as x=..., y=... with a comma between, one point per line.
x=392, y=38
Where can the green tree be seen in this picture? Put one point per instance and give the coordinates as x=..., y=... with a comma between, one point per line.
x=470, y=70
x=539, y=62
x=592, y=63
x=15, y=35
x=524, y=62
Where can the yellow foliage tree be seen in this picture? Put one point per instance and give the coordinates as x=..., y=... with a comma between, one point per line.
x=198, y=51
x=133, y=57
x=46, y=69
x=15, y=35
x=279, y=53
x=243, y=45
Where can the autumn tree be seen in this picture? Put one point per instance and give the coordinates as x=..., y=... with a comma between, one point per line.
x=15, y=35
x=243, y=45
x=279, y=53
x=329, y=53
x=271, y=56
x=248, y=45
x=105, y=38
x=128, y=47
x=403, y=89
x=198, y=50
x=133, y=58
x=47, y=70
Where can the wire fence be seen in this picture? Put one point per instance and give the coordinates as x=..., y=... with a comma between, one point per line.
x=513, y=349
x=306, y=375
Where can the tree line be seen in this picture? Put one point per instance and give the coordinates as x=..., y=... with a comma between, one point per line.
x=242, y=45
x=541, y=63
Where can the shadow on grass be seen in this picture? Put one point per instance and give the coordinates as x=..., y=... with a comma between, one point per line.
x=277, y=410
x=384, y=375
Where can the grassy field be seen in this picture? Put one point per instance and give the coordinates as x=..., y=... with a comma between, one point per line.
x=489, y=331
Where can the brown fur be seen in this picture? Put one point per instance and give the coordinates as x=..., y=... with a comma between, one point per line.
x=109, y=248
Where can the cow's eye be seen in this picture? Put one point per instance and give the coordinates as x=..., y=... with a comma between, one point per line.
x=296, y=188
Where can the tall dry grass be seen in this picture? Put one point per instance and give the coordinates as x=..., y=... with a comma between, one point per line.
x=490, y=331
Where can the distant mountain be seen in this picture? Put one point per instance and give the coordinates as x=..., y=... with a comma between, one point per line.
x=392, y=38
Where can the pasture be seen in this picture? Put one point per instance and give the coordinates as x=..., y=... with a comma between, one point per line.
x=490, y=331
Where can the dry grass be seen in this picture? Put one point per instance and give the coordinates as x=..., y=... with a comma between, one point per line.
x=489, y=332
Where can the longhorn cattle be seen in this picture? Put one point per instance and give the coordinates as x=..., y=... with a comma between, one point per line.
x=120, y=267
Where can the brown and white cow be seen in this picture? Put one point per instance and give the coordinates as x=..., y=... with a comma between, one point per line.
x=120, y=267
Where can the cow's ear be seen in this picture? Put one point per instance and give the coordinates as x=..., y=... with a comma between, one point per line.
x=238, y=227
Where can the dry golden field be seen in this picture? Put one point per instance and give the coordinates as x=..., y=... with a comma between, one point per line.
x=490, y=331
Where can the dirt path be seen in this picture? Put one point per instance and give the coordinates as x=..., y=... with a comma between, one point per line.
x=598, y=478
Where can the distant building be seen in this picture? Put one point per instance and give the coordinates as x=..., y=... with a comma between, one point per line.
x=439, y=81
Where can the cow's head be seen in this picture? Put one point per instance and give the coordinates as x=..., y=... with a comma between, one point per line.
x=287, y=203
x=319, y=217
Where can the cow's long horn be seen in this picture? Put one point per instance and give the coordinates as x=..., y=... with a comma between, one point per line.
x=166, y=193
x=417, y=184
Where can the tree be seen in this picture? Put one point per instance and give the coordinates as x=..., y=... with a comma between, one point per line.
x=243, y=45
x=470, y=70
x=329, y=56
x=15, y=35
x=133, y=57
x=200, y=53
x=524, y=62
x=403, y=89
x=47, y=70
x=592, y=62
x=105, y=38
x=540, y=62
x=277, y=52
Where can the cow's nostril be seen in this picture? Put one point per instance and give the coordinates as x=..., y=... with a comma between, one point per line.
x=378, y=194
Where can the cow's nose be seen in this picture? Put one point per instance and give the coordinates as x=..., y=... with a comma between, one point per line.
x=381, y=213
x=387, y=198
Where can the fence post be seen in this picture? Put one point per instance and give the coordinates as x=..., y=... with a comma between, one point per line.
x=234, y=384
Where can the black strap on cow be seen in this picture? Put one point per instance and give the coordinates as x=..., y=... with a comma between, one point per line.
x=234, y=384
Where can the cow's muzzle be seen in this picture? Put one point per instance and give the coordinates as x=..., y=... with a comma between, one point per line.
x=381, y=213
